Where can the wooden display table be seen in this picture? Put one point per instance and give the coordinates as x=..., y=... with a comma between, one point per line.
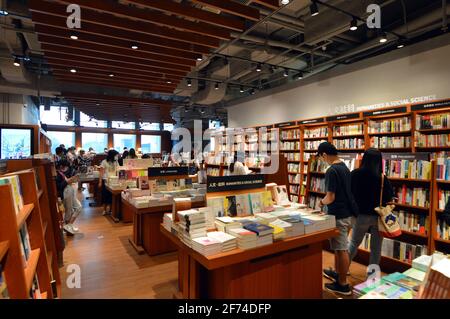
x=291, y=268
x=116, y=207
x=146, y=221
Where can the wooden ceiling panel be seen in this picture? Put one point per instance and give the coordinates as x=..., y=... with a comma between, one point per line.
x=271, y=4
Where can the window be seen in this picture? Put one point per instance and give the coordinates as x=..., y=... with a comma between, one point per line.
x=214, y=124
x=151, y=144
x=124, y=140
x=124, y=125
x=58, y=138
x=98, y=141
x=56, y=116
x=87, y=121
x=150, y=126
x=168, y=127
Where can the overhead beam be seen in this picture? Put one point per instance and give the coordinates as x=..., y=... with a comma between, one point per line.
x=187, y=11
x=133, y=13
x=272, y=4
x=131, y=37
x=126, y=99
x=92, y=19
x=67, y=44
x=232, y=7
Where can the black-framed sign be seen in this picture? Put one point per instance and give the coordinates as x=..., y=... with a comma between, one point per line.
x=168, y=171
x=313, y=121
x=233, y=183
x=285, y=124
x=420, y=156
x=343, y=117
x=395, y=110
x=432, y=105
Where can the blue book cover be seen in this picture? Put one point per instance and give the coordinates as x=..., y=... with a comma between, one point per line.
x=259, y=229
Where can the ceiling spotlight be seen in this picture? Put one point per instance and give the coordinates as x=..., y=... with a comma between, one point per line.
x=314, y=9
x=400, y=44
x=111, y=75
x=252, y=91
x=189, y=82
x=284, y=2
x=16, y=62
x=383, y=37
x=73, y=71
x=186, y=110
x=241, y=89
x=3, y=13
x=199, y=59
x=286, y=73
x=202, y=111
x=299, y=76
x=74, y=36
x=258, y=67
x=98, y=104
x=169, y=82
x=134, y=46
x=216, y=87
x=354, y=25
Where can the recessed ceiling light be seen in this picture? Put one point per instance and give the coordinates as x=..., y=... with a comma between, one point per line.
x=199, y=59
x=259, y=67
x=299, y=76
x=134, y=46
x=286, y=73
x=354, y=25
x=3, y=13
x=284, y=2
x=189, y=82
x=216, y=87
x=241, y=89
x=16, y=62
x=400, y=44
x=314, y=9
x=169, y=82
x=111, y=75
x=383, y=38
x=73, y=71
x=74, y=36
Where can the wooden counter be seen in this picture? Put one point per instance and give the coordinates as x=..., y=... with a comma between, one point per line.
x=146, y=234
x=291, y=268
x=116, y=206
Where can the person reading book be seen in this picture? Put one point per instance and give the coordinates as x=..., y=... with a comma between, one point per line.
x=366, y=189
x=338, y=200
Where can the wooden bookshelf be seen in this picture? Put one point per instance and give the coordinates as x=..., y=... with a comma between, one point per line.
x=401, y=133
x=4, y=246
x=30, y=269
x=24, y=214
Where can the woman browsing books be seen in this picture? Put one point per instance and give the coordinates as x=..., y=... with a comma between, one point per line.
x=108, y=168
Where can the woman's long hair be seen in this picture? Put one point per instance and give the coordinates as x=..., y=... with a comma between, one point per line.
x=132, y=153
x=111, y=156
x=372, y=161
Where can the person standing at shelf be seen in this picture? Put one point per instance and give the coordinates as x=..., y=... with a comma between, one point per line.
x=132, y=154
x=108, y=168
x=366, y=188
x=59, y=154
x=236, y=167
x=72, y=206
x=340, y=203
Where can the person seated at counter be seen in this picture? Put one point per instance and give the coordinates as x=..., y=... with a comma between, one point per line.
x=108, y=168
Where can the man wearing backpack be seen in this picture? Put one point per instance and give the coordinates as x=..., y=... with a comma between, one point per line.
x=340, y=203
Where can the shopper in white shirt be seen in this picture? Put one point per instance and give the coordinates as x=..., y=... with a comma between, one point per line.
x=108, y=168
x=238, y=168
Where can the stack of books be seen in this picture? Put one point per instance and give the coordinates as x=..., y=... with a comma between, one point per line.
x=192, y=225
x=263, y=232
x=381, y=289
x=226, y=223
x=168, y=221
x=245, y=239
x=229, y=242
x=209, y=217
x=298, y=227
x=266, y=218
x=281, y=229
x=319, y=222
x=207, y=246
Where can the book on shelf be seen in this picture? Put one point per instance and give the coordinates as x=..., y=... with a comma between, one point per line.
x=381, y=289
x=293, y=168
x=433, y=121
x=290, y=134
x=259, y=229
x=207, y=246
x=314, y=202
x=16, y=190
x=415, y=169
x=352, y=129
x=25, y=245
x=230, y=206
x=290, y=146
x=390, y=125
x=294, y=189
x=318, y=165
x=213, y=171
x=404, y=281
x=349, y=143
x=443, y=229
x=246, y=239
x=413, y=196
x=313, y=145
x=317, y=184
x=217, y=206
x=404, y=252
x=432, y=140
x=415, y=223
x=294, y=179
x=315, y=132
x=292, y=156
x=3, y=286
x=443, y=165
x=391, y=142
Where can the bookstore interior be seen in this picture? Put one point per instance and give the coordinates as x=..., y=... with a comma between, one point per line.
x=259, y=149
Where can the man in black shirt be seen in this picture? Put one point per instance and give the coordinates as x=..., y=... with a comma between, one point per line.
x=339, y=202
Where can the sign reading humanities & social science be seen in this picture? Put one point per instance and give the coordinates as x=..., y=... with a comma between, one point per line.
x=233, y=183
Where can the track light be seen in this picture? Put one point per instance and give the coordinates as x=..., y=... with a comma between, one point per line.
x=16, y=62
x=383, y=37
x=169, y=82
x=134, y=46
x=73, y=71
x=252, y=91
x=299, y=76
x=286, y=73
x=258, y=67
x=199, y=59
x=111, y=75
x=314, y=9
x=73, y=36
x=284, y=2
x=189, y=82
x=400, y=44
x=216, y=86
x=4, y=13
x=241, y=89
x=354, y=25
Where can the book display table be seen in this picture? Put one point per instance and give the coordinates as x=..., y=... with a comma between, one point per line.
x=146, y=235
x=291, y=268
x=117, y=214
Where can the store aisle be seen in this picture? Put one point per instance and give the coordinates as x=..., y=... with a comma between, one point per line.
x=110, y=267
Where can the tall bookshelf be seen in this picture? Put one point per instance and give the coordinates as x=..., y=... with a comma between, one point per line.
x=21, y=274
x=348, y=133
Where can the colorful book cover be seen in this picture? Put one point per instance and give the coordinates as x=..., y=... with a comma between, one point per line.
x=143, y=182
x=216, y=205
x=123, y=174
x=16, y=191
x=243, y=205
x=259, y=228
x=256, y=203
x=281, y=195
x=267, y=201
x=230, y=206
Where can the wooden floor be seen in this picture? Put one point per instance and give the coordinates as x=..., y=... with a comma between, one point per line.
x=111, y=269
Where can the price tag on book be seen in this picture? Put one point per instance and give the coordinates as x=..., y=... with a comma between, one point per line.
x=421, y=156
x=386, y=111
x=233, y=183
x=433, y=105
x=168, y=171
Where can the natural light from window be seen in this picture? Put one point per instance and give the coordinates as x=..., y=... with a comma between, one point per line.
x=56, y=116
x=98, y=141
x=58, y=138
x=151, y=144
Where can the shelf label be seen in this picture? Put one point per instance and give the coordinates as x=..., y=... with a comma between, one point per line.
x=319, y=120
x=433, y=105
x=292, y=123
x=267, y=127
x=348, y=155
x=233, y=183
x=421, y=156
x=168, y=171
x=386, y=111
x=343, y=117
